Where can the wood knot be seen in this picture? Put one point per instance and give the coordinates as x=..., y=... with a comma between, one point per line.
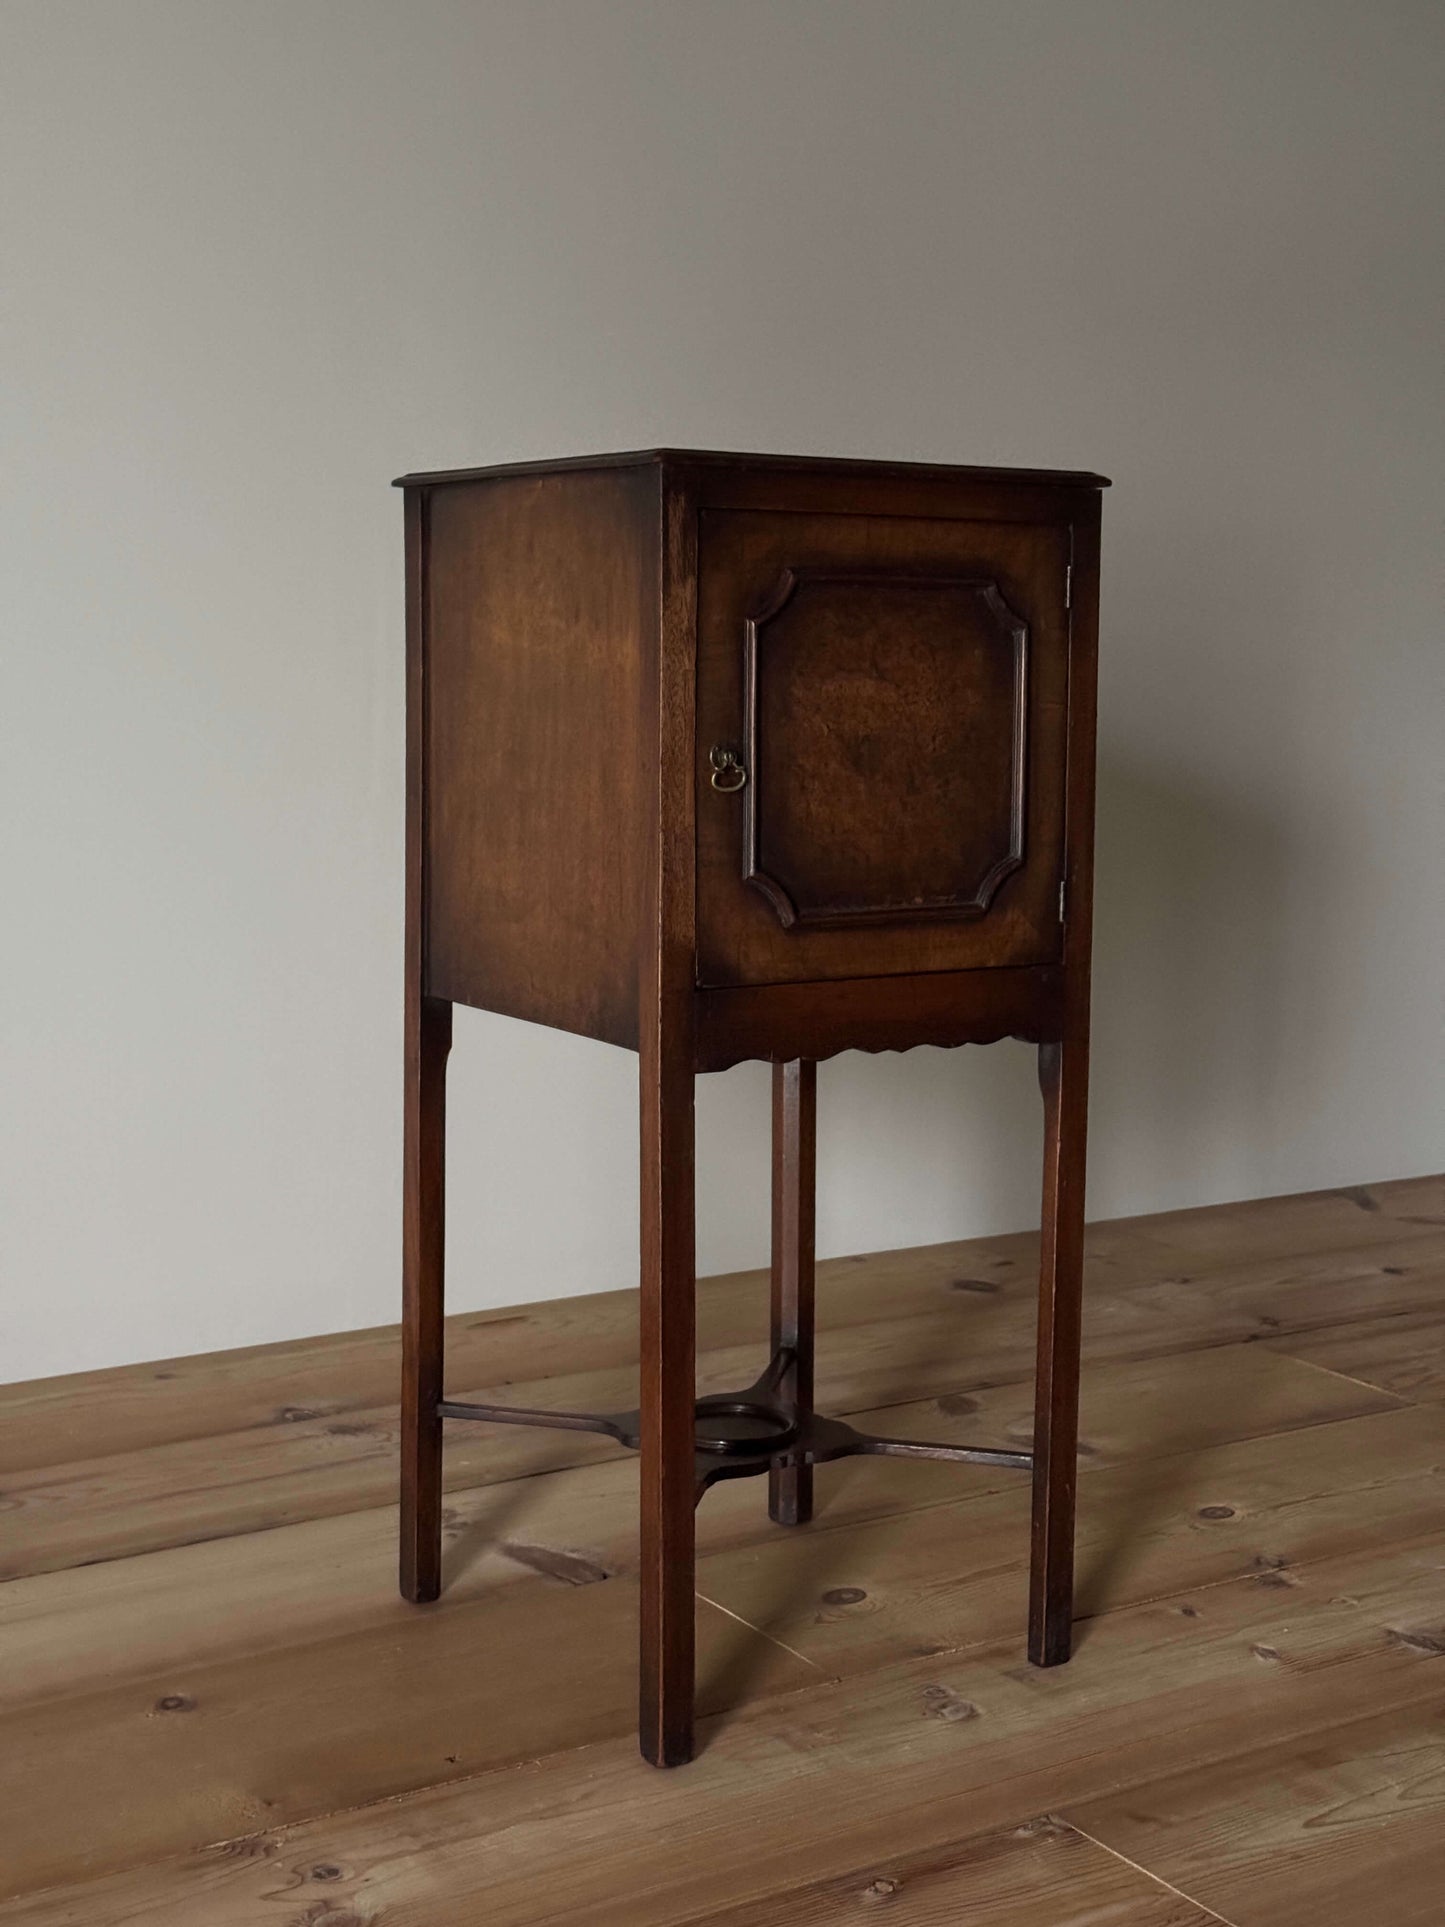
x=1216, y=1512
x=1046, y=1826
x=942, y=1703
x=1265, y=1652
x=844, y=1596
x=986, y=1287
x=553, y=1562
x=175, y=1703
x=250, y=1846
x=883, y=1888
x=957, y=1404
x=327, y=1870
x=1272, y=1569
x=1431, y=1642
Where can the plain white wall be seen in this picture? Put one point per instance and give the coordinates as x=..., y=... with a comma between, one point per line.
x=261, y=257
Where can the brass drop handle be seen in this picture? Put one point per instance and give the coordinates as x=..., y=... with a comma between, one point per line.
x=728, y=774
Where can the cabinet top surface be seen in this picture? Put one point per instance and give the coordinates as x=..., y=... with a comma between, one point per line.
x=716, y=458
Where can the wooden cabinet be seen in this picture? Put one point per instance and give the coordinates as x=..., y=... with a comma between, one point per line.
x=727, y=756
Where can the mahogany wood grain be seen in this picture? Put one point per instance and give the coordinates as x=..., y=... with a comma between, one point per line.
x=540, y=616
x=885, y=724
x=943, y=1007
x=741, y=477
x=794, y=1202
x=427, y=1040
x=668, y=1374
x=668, y=1389
x=726, y=756
x=1063, y=1077
x=423, y=1328
x=867, y=699
x=1064, y=1082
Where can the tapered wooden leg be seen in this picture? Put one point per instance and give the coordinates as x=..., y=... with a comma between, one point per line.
x=428, y=1039
x=795, y=1112
x=669, y=1490
x=1064, y=1081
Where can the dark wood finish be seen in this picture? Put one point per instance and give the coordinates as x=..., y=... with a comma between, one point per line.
x=881, y=706
x=885, y=723
x=761, y=1428
x=668, y=1392
x=724, y=757
x=819, y=470
x=540, y=598
x=778, y=1021
x=423, y=1299
x=795, y=1154
x=428, y=1036
x=1064, y=1082
x=1063, y=1075
x=668, y=1280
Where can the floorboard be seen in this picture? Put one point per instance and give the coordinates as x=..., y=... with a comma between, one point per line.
x=1403, y=1353
x=1042, y=1874
x=1345, y=1825
x=214, y=1710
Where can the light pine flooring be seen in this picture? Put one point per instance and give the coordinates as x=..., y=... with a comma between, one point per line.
x=215, y=1711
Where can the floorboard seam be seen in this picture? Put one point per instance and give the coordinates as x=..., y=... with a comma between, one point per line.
x=1147, y=1872
x=771, y=1638
x=285, y=1830
x=1349, y=1378
x=1248, y=1572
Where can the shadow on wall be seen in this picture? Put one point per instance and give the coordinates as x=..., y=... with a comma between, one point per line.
x=1191, y=990
x=1193, y=1084
x=1192, y=1010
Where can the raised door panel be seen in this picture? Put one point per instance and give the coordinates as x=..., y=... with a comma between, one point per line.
x=881, y=717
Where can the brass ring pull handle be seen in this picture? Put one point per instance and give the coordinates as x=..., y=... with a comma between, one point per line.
x=728, y=774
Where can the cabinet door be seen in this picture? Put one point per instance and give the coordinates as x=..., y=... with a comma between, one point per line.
x=881, y=709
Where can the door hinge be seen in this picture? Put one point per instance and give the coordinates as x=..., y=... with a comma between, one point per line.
x=1068, y=585
x=1063, y=897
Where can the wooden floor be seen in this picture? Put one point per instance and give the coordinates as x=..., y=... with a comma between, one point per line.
x=215, y=1712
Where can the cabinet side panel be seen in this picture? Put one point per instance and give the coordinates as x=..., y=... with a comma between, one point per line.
x=540, y=592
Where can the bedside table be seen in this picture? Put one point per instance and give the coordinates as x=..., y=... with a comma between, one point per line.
x=719, y=757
